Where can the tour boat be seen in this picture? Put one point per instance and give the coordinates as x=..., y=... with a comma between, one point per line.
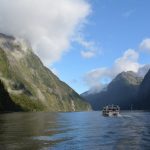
x=111, y=110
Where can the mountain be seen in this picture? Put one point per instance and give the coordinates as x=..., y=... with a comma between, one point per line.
x=121, y=91
x=144, y=93
x=30, y=86
x=142, y=71
x=6, y=104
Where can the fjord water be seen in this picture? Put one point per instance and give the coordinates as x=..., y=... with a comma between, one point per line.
x=74, y=131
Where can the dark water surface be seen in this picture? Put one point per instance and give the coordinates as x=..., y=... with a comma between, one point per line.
x=74, y=131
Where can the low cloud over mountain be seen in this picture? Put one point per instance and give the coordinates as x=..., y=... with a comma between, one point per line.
x=48, y=25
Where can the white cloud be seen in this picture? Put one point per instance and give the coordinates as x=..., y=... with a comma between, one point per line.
x=48, y=24
x=128, y=62
x=93, y=78
x=90, y=47
x=88, y=54
x=145, y=45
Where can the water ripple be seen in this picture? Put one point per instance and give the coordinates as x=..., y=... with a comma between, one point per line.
x=75, y=131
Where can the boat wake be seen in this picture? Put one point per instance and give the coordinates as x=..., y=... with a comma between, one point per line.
x=126, y=116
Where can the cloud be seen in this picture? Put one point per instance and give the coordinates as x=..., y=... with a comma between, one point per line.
x=88, y=54
x=94, y=79
x=90, y=47
x=48, y=24
x=128, y=62
x=145, y=45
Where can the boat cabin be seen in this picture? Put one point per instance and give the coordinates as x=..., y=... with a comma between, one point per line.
x=111, y=110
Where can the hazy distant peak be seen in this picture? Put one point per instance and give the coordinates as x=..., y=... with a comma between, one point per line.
x=95, y=91
x=129, y=77
x=126, y=74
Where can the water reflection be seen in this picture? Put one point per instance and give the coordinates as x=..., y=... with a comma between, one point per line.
x=18, y=129
x=77, y=131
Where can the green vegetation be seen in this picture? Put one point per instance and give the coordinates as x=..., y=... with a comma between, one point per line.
x=31, y=85
x=4, y=63
x=28, y=104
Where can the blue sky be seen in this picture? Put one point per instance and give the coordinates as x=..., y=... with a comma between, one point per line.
x=85, y=42
x=114, y=26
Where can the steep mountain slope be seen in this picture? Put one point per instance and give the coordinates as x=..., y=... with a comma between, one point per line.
x=29, y=84
x=144, y=93
x=122, y=91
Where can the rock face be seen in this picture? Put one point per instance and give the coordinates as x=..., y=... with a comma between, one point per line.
x=144, y=93
x=121, y=91
x=31, y=86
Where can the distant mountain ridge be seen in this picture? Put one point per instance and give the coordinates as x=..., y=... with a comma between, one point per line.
x=144, y=93
x=123, y=91
x=30, y=85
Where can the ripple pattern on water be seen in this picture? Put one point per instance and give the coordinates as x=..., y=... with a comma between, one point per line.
x=74, y=131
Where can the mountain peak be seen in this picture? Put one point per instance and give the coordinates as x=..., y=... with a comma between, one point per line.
x=122, y=91
x=129, y=77
x=14, y=48
x=127, y=74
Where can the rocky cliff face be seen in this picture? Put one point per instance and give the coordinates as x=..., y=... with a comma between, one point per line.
x=31, y=85
x=121, y=91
